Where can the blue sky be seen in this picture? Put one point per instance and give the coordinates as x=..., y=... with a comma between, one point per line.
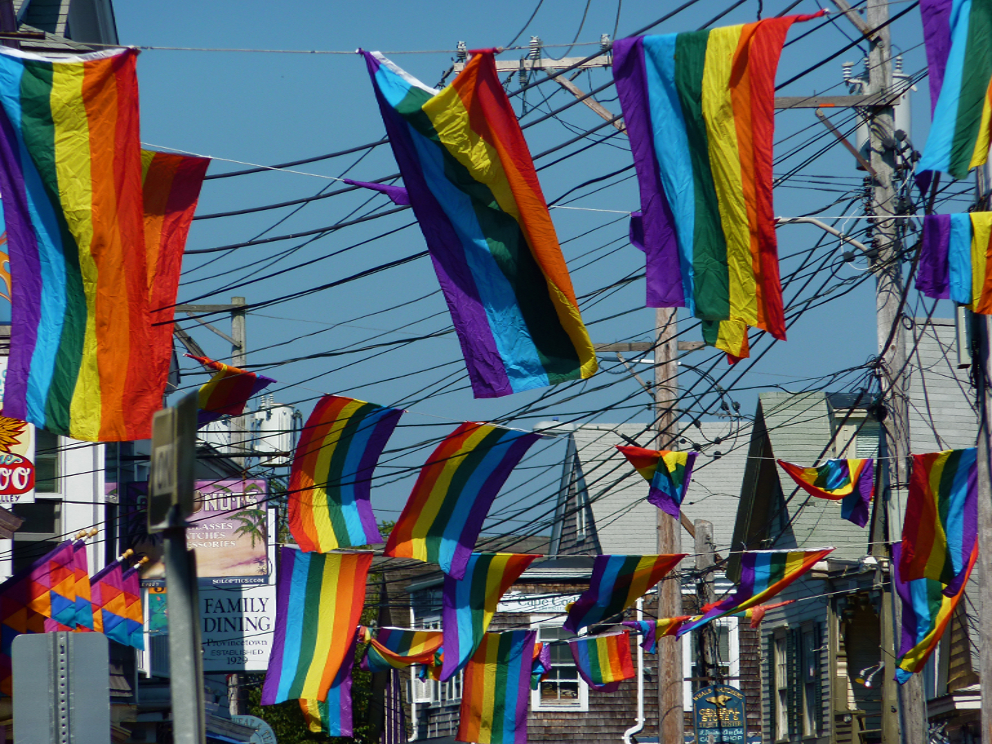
x=269, y=108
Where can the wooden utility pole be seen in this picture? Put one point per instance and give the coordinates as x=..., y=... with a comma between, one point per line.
x=670, y=676
x=707, y=662
x=980, y=329
x=902, y=706
x=239, y=358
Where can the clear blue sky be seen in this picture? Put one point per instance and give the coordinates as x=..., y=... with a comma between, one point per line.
x=270, y=108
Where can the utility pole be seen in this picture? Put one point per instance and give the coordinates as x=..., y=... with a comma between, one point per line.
x=670, y=675
x=707, y=663
x=239, y=358
x=906, y=700
x=980, y=329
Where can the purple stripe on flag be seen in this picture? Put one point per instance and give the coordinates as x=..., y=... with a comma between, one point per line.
x=397, y=194
x=659, y=240
x=933, y=277
x=937, y=35
x=270, y=690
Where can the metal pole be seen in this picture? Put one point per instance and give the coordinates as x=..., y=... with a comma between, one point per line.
x=670, y=676
x=185, y=655
x=887, y=265
x=980, y=329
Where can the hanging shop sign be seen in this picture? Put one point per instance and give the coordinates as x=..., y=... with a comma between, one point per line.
x=17, y=452
x=719, y=715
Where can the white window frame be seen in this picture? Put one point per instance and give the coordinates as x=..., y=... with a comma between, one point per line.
x=780, y=673
x=733, y=663
x=812, y=727
x=441, y=693
x=553, y=621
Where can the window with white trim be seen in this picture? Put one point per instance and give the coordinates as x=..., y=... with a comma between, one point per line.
x=727, y=654
x=441, y=693
x=812, y=705
x=562, y=689
x=781, y=671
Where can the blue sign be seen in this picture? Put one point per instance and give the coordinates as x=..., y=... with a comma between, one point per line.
x=719, y=715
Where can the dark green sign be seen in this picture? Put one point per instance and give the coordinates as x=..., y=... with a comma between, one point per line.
x=718, y=712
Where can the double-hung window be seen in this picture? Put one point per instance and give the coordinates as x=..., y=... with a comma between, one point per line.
x=562, y=689
x=781, y=672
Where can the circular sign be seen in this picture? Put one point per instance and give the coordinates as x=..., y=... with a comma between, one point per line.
x=263, y=731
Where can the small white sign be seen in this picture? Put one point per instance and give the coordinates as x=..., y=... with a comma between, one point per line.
x=536, y=605
x=237, y=626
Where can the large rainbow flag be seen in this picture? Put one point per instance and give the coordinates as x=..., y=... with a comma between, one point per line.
x=603, y=661
x=453, y=493
x=954, y=259
x=940, y=529
x=764, y=573
x=668, y=473
x=330, y=484
x=397, y=648
x=958, y=36
x=227, y=392
x=319, y=602
x=652, y=630
x=496, y=688
x=333, y=716
x=926, y=611
x=700, y=113
x=469, y=603
x=852, y=482
x=473, y=187
x=70, y=174
x=617, y=582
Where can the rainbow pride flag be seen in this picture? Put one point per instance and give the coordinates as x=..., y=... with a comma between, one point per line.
x=958, y=36
x=330, y=483
x=397, y=648
x=542, y=664
x=603, y=661
x=451, y=498
x=170, y=188
x=319, y=602
x=954, y=259
x=473, y=187
x=926, y=611
x=700, y=113
x=496, y=688
x=469, y=603
x=852, y=482
x=668, y=473
x=764, y=573
x=616, y=583
x=940, y=529
x=70, y=175
x=333, y=716
x=227, y=392
x=757, y=613
x=652, y=630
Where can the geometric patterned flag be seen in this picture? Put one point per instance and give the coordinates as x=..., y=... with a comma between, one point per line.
x=470, y=603
x=852, y=482
x=926, y=611
x=474, y=190
x=652, y=630
x=603, y=661
x=764, y=573
x=954, y=259
x=939, y=531
x=667, y=472
x=700, y=114
x=134, y=617
x=227, y=392
x=84, y=601
x=617, y=582
x=319, y=602
x=450, y=500
x=496, y=688
x=333, y=716
x=396, y=648
x=109, y=611
x=331, y=480
x=958, y=37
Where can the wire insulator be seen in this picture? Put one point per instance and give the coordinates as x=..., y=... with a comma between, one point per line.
x=535, y=47
x=461, y=52
x=604, y=43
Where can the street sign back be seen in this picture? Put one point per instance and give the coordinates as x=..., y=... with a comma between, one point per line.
x=172, y=462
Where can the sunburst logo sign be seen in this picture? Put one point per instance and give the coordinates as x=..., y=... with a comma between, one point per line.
x=16, y=470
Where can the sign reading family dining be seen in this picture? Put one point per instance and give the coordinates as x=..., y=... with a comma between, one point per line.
x=228, y=529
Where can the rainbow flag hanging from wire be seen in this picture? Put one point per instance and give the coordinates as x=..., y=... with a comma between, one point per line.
x=603, y=661
x=764, y=573
x=617, y=582
x=473, y=187
x=469, y=603
x=700, y=113
x=451, y=498
x=542, y=664
x=852, y=482
x=926, y=611
x=330, y=484
x=652, y=630
x=319, y=602
x=958, y=36
x=496, y=688
x=954, y=259
x=333, y=716
x=757, y=613
x=668, y=473
x=70, y=173
x=227, y=392
x=940, y=529
x=396, y=648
